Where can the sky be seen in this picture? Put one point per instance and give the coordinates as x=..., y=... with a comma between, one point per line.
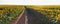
x=31, y=2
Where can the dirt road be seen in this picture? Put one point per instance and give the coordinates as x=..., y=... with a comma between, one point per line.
x=30, y=16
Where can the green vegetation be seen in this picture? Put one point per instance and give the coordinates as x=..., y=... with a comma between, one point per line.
x=7, y=14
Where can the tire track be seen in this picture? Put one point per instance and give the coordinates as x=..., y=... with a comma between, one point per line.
x=19, y=19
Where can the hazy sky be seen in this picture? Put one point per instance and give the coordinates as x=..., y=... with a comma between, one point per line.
x=38, y=2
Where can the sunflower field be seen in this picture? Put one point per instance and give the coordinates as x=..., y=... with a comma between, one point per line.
x=52, y=13
x=8, y=13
